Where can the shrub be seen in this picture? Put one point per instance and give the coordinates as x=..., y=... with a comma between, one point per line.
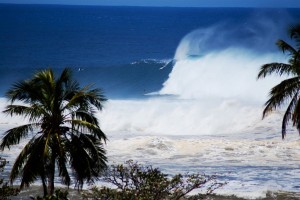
x=59, y=195
x=5, y=190
x=134, y=181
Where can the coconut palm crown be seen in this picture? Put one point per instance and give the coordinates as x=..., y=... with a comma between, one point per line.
x=289, y=89
x=62, y=131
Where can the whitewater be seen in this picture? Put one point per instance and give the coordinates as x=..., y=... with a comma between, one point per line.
x=206, y=117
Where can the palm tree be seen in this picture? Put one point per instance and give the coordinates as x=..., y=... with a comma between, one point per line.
x=289, y=89
x=64, y=134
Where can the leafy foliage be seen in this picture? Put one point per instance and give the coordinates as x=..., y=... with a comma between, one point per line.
x=134, y=181
x=63, y=130
x=5, y=190
x=289, y=89
x=59, y=195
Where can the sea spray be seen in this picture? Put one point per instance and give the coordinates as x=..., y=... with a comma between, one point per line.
x=212, y=88
x=206, y=117
x=227, y=74
x=214, y=94
x=178, y=117
x=215, y=97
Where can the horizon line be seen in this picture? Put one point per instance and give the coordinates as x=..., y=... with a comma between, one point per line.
x=150, y=6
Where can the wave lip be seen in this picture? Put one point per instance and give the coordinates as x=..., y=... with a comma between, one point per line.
x=230, y=73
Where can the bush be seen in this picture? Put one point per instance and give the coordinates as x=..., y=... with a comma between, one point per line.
x=59, y=195
x=134, y=181
x=5, y=190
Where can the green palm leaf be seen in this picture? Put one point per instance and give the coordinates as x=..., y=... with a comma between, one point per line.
x=296, y=116
x=67, y=132
x=28, y=164
x=86, y=167
x=277, y=68
x=288, y=114
x=84, y=126
x=281, y=93
x=34, y=112
x=14, y=135
x=86, y=116
x=62, y=164
x=285, y=47
x=295, y=34
x=287, y=90
x=23, y=91
x=86, y=97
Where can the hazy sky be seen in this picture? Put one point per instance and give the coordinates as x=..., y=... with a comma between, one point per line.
x=188, y=3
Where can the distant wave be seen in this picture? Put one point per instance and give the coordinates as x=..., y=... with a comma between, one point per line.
x=151, y=61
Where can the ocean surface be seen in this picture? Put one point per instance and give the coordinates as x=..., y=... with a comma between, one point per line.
x=181, y=83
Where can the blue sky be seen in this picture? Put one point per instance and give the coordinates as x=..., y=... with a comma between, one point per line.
x=185, y=3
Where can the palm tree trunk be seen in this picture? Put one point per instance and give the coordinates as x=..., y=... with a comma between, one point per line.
x=44, y=187
x=44, y=184
x=51, y=176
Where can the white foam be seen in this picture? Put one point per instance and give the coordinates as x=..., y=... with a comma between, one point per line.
x=230, y=73
x=179, y=117
x=211, y=123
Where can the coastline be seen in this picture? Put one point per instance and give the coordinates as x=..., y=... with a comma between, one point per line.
x=36, y=190
x=74, y=194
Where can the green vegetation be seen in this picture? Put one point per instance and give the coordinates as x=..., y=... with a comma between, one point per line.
x=134, y=181
x=5, y=190
x=289, y=89
x=63, y=130
x=59, y=195
x=139, y=182
x=64, y=133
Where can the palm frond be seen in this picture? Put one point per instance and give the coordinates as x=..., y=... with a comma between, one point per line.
x=281, y=93
x=84, y=164
x=34, y=112
x=79, y=160
x=14, y=135
x=26, y=163
x=62, y=166
x=22, y=91
x=93, y=146
x=287, y=89
x=96, y=98
x=86, y=116
x=294, y=60
x=87, y=97
x=20, y=160
x=275, y=68
x=87, y=127
x=296, y=116
x=45, y=79
x=31, y=171
x=96, y=150
x=71, y=88
x=288, y=114
x=65, y=88
x=65, y=77
x=62, y=140
x=285, y=47
x=295, y=34
x=45, y=83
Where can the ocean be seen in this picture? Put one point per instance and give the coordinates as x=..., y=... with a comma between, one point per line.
x=181, y=84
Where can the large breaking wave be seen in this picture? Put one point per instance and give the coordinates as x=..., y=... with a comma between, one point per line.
x=211, y=89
